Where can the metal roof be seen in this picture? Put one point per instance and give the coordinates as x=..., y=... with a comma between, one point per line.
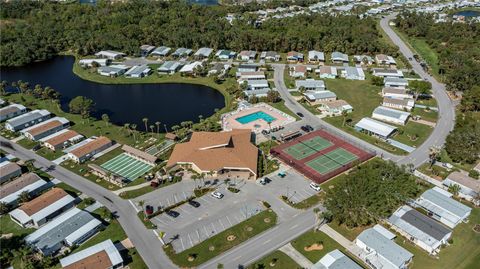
x=203, y=52
x=354, y=71
x=182, y=51
x=419, y=225
x=27, y=182
x=394, y=80
x=138, y=69
x=376, y=127
x=106, y=246
x=313, y=54
x=339, y=56
x=310, y=83
x=386, y=248
x=437, y=202
x=28, y=117
x=335, y=259
x=161, y=50
x=170, y=66
x=391, y=113
x=315, y=95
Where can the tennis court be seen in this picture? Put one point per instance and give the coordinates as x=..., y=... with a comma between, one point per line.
x=331, y=160
x=307, y=148
x=127, y=166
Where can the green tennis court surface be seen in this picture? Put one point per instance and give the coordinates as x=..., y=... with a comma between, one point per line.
x=127, y=166
x=331, y=160
x=307, y=148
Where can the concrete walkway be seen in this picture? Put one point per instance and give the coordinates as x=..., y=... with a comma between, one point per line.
x=131, y=188
x=296, y=256
x=93, y=207
x=426, y=122
x=344, y=242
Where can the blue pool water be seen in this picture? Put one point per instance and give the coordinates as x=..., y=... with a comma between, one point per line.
x=260, y=115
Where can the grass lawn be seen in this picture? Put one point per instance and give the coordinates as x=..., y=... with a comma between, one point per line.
x=281, y=106
x=83, y=170
x=281, y=260
x=313, y=109
x=8, y=226
x=349, y=233
x=432, y=102
x=309, y=202
x=436, y=171
x=148, y=224
x=139, y=192
x=48, y=154
x=413, y=129
x=218, y=244
x=428, y=115
x=309, y=238
x=463, y=253
x=27, y=143
x=289, y=81
x=69, y=189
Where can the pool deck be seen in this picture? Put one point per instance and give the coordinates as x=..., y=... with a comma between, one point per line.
x=229, y=120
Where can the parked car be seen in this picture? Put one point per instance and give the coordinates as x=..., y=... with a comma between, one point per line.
x=305, y=129
x=309, y=127
x=282, y=174
x=315, y=186
x=300, y=114
x=172, y=213
x=217, y=195
x=148, y=209
x=193, y=203
x=264, y=180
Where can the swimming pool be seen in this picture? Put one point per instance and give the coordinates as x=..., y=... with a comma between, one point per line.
x=260, y=115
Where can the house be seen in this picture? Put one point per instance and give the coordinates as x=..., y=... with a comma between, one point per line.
x=181, y=52
x=218, y=69
x=245, y=76
x=397, y=103
x=9, y=170
x=399, y=93
x=271, y=56
x=110, y=54
x=169, y=67
x=94, y=62
x=103, y=255
x=375, y=128
x=258, y=84
x=390, y=115
x=469, y=188
x=225, y=54
x=42, y=209
x=138, y=71
x=261, y=92
x=11, y=111
x=298, y=71
x=87, y=150
x=440, y=205
x=225, y=154
x=247, y=68
x=310, y=85
x=45, y=128
x=26, y=120
x=395, y=82
x=190, y=68
x=383, y=72
x=336, y=107
x=382, y=59
x=353, y=73
x=420, y=229
x=61, y=139
x=316, y=56
x=30, y=182
x=203, y=53
x=380, y=250
x=293, y=56
x=335, y=259
x=338, y=57
x=139, y=155
x=363, y=59
x=69, y=229
x=146, y=49
x=327, y=72
x=247, y=55
x=112, y=70
x=161, y=51
x=317, y=97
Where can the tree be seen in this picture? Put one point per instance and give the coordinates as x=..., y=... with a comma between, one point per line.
x=145, y=121
x=474, y=174
x=30, y=164
x=141, y=203
x=377, y=81
x=344, y=116
x=3, y=87
x=24, y=197
x=134, y=130
x=273, y=96
x=4, y=208
x=106, y=119
x=157, y=123
x=152, y=128
x=471, y=100
x=454, y=189
x=81, y=105
x=420, y=87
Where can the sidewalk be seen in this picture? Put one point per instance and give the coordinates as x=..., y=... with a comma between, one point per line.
x=344, y=242
x=296, y=256
x=131, y=188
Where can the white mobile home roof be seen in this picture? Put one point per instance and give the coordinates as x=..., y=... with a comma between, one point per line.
x=338, y=56
x=395, y=81
x=137, y=70
x=335, y=259
x=190, y=67
x=310, y=83
x=391, y=113
x=205, y=52
x=106, y=246
x=182, y=51
x=27, y=117
x=376, y=127
x=318, y=55
x=316, y=95
x=388, y=249
x=437, y=201
x=170, y=66
x=161, y=51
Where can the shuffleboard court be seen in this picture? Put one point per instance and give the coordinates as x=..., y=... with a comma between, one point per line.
x=307, y=148
x=331, y=160
x=127, y=166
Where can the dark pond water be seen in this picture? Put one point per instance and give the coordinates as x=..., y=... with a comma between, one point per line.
x=468, y=13
x=200, y=2
x=169, y=103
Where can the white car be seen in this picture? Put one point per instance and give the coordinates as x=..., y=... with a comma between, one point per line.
x=315, y=186
x=217, y=195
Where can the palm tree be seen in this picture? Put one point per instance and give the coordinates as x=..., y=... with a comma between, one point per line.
x=142, y=204
x=157, y=123
x=134, y=130
x=24, y=196
x=30, y=165
x=126, y=126
x=152, y=127
x=145, y=120
x=454, y=189
x=344, y=115
x=106, y=119
x=3, y=207
x=433, y=155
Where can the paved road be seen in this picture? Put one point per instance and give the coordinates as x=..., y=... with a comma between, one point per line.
x=446, y=116
x=144, y=240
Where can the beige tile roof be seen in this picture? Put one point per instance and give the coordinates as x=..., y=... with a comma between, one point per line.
x=43, y=127
x=18, y=184
x=394, y=90
x=62, y=138
x=9, y=168
x=7, y=110
x=99, y=260
x=43, y=201
x=140, y=154
x=335, y=104
x=91, y=146
x=214, y=151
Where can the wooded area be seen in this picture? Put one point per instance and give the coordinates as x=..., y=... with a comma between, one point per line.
x=38, y=31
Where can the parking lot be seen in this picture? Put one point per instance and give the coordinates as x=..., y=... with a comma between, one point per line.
x=294, y=185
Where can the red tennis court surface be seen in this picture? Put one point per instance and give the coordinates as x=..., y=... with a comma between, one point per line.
x=320, y=155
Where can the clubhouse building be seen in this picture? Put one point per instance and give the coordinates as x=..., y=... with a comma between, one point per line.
x=225, y=154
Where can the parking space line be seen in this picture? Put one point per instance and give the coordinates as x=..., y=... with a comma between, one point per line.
x=205, y=228
x=229, y=221
x=214, y=230
x=235, y=216
x=168, y=202
x=184, y=195
x=159, y=220
x=205, y=200
x=191, y=242
x=181, y=241
x=198, y=234
x=183, y=210
x=219, y=220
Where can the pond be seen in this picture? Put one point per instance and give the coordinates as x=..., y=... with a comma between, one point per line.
x=468, y=13
x=169, y=103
